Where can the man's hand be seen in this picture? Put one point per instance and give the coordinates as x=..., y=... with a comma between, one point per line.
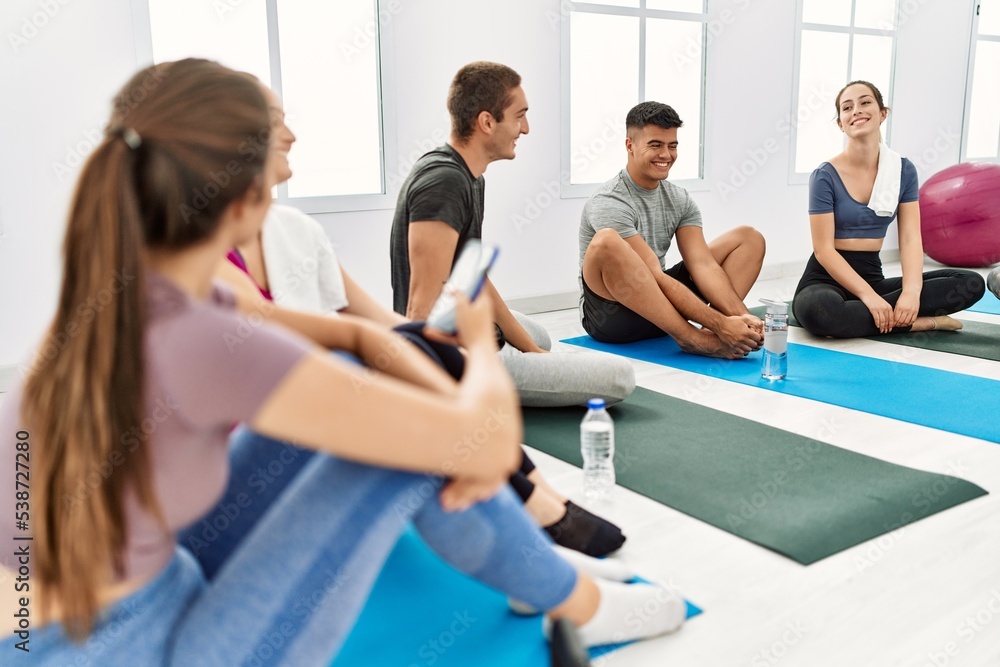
x=741, y=333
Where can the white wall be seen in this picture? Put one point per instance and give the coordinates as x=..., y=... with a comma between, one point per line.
x=57, y=87
x=61, y=82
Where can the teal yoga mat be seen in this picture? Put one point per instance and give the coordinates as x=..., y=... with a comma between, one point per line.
x=989, y=304
x=422, y=612
x=980, y=340
x=927, y=396
x=800, y=497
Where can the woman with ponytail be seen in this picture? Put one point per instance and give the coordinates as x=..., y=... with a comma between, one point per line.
x=123, y=418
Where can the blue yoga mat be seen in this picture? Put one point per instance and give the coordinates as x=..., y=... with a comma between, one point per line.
x=988, y=304
x=423, y=612
x=940, y=399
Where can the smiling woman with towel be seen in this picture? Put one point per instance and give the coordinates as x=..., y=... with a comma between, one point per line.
x=843, y=293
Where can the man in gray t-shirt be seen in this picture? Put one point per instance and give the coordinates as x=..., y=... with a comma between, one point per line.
x=625, y=233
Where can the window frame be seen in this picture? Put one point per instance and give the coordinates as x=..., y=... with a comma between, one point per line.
x=570, y=190
x=974, y=39
x=386, y=199
x=802, y=177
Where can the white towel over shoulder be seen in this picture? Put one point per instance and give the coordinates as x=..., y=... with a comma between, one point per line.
x=885, y=193
x=302, y=269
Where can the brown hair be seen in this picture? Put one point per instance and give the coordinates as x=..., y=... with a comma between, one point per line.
x=478, y=87
x=184, y=141
x=875, y=92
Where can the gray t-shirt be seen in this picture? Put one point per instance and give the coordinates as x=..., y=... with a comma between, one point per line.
x=622, y=205
x=207, y=368
x=440, y=187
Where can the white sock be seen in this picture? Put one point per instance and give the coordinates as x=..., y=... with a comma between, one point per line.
x=598, y=568
x=632, y=611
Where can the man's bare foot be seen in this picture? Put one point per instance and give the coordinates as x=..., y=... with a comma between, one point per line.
x=705, y=343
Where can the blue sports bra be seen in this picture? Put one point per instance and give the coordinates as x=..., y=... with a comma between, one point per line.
x=851, y=218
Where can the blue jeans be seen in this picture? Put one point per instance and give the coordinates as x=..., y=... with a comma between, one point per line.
x=279, y=570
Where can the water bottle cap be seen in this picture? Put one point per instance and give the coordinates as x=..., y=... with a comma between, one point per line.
x=775, y=307
x=596, y=404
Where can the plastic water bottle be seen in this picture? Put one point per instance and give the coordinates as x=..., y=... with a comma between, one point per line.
x=775, y=363
x=597, y=444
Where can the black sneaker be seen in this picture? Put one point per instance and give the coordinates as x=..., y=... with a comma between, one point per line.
x=567, y=649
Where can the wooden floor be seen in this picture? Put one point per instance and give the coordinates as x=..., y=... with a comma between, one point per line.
x=924, y=595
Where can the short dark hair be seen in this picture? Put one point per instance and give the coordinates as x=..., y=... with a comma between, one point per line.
x=478, y=87
x=652, y=113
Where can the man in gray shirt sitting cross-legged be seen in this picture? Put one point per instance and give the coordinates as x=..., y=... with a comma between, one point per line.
x=625, y=232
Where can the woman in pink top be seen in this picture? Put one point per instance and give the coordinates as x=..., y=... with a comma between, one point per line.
x=124, y=413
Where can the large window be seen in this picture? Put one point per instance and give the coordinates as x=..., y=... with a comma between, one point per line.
x=324, y=59
x=838, y=41
x=982, y=126
x=615, y=55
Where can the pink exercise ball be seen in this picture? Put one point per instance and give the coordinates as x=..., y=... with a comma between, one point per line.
x=960, y=215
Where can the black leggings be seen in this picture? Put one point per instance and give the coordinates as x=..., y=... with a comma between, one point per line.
x=451, y=360
x=824, y=308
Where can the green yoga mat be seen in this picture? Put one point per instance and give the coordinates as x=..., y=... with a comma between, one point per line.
x=799, y=497
x=977, y=339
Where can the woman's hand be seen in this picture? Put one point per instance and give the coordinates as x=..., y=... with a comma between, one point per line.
x=905, y=312
x=459, y=495
x=881, y=312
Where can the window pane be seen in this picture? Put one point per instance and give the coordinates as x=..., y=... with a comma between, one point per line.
x=604, y=85
x=329, y=78
x=674, y=77
x=696, y=6
x=234, y=36
x=872, y=61
x=822, y=72
x=984, y=109
x=830, y=12
x=877, y=14
x=634, y=4
x=989, y=17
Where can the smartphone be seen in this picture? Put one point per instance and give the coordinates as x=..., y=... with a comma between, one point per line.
x=467, y=276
